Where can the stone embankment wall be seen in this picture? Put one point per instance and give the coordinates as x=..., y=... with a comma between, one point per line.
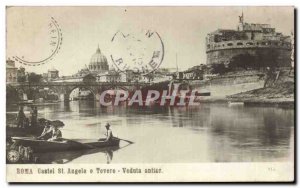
x=230, y=84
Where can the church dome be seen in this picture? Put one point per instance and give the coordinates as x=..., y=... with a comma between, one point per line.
x=98, y=62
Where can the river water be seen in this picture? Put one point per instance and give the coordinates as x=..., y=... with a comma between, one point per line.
x=204, y=133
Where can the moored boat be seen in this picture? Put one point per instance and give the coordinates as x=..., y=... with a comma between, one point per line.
x=25, y=102
x=235, y=103
x=63, y=144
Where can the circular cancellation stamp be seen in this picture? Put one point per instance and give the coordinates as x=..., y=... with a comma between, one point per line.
x=142, y=52
x=39, y=41
x=13, y=156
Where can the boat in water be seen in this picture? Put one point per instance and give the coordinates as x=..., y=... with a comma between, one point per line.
x=25, y=102
x=63, y=144
x=235, y=103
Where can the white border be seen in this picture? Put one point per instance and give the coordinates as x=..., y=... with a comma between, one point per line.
x=5, y=3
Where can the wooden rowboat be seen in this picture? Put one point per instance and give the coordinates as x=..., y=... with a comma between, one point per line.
x=63, y=144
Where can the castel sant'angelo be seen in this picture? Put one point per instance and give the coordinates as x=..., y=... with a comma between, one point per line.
x=255, y=39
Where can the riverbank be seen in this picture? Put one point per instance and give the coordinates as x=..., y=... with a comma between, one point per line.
x=278, y=102
x=279, y=95
x=33, y=103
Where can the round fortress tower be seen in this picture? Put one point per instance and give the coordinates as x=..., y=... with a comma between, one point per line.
x=255, y=39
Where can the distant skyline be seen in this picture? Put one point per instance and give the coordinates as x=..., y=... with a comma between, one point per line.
x=182, y=29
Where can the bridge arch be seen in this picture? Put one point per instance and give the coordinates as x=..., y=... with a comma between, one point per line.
x=63, y=89
x=87, y=88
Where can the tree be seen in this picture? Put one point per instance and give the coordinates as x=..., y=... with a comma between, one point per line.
x=149, y=76
x=243, y=61
x=12, y=94
x=218, y=68
x=34, y=78
x=268, y=58
x=21, y=79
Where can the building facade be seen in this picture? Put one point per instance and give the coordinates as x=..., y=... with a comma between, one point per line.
x=53, y=74
x=11, y=71
x=254, y=39
x=14, y=74
x=112, y=76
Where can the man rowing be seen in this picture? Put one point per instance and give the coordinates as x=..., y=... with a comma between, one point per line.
x=108, y=134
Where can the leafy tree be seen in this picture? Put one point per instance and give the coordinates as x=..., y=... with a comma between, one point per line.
x=149, y=77
x=11, y=94
x=21, y=79
x=218, y=68
x=243, y=61
x=268, y=58
x=263, y=58
x=34, y=78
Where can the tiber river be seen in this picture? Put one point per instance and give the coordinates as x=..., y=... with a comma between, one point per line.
x=205, y=133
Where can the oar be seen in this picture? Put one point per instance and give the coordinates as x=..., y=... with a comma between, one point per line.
x=130, y=142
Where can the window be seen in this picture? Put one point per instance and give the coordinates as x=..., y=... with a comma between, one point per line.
x=249, y=43
x=239, y=43
x=229, y=44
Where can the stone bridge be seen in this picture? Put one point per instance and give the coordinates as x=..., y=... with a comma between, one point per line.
x=64, y=89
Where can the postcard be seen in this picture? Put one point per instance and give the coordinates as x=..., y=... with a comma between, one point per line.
x=150, y=94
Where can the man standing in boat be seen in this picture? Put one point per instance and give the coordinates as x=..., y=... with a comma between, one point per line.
x=34, y=114
x=108, y=133
x=21, y=117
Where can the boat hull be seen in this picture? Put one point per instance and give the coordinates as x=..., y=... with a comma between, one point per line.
x=64, y=145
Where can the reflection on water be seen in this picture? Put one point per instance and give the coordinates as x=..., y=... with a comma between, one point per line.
x=67, y=157
x=205, y=133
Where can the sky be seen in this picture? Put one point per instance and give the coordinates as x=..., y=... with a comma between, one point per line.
x=182, y=30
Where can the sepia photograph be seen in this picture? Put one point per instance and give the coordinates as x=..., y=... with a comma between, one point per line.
x=150, y=94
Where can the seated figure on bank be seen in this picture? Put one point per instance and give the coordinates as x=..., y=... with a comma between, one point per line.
x=46, y=134
x=51, y=132
x=56, y=133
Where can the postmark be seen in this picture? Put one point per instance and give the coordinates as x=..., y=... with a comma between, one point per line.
x=13, y=156
x=141, y=52
x=46, y=43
